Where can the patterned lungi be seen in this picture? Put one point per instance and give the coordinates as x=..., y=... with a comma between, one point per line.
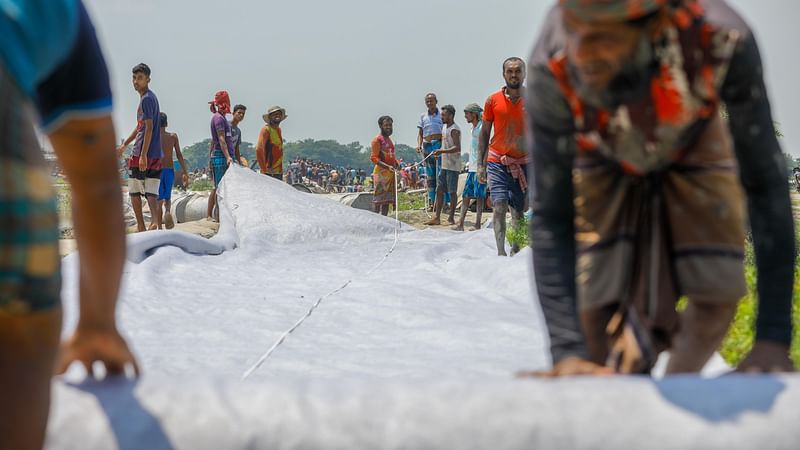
x=676, y=231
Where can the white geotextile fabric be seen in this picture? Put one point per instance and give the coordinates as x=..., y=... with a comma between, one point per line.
x=419, y=354
x=442, y=305
x=159, y=413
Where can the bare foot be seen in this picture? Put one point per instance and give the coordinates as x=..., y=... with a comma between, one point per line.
x=168, y=222
x=458, y=228
x=433, y=222
x=451, y=221
x=153, y=227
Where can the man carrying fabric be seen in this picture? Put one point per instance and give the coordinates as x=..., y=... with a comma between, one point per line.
x=504, y=160
x=145, y=160
x=473, y=189
x=62, y=68
x=269, y=149
x=638, y=193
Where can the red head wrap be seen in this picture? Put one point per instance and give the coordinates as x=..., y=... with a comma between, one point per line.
x=222, y=102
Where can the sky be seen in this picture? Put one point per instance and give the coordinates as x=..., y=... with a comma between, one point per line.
x=337, y=66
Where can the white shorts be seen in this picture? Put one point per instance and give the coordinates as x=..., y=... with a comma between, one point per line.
x=144, y=183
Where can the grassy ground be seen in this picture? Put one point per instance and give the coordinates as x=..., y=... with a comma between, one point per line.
x=518, y=233
x=740, y=336
x=408, y=202
x=201, y=185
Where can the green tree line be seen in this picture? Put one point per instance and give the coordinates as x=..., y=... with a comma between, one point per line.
x=328, y=151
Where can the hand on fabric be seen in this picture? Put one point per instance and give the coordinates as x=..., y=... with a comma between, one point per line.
x=88, y=346
x=419, y=149
x=568, y=367
x=766, y=357
x=230, y=161
x=142, y=162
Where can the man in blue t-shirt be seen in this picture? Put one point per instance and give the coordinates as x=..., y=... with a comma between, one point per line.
x=51, y=66
x=145, y=165
x=239, y=112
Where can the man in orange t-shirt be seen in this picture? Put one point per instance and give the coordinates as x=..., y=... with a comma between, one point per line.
x=503, y=158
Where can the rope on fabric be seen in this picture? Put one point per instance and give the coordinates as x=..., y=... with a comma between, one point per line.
x=344, y=286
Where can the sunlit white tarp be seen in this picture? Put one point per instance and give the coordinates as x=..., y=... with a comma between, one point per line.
x=418, y=353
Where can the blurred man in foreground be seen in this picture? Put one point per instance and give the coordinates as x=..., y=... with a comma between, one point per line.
x=61, y=66
x=638, y=186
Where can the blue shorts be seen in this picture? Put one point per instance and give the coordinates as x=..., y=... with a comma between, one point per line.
x=474, y=188
x=431, y=164
x=167, y=180
x=504, y=187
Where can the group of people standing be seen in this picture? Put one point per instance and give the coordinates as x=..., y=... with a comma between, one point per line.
x=226, y=139
x=151, y=162
x=497, y=157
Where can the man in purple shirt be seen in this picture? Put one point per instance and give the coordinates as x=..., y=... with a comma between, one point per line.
x=221, y=144
x=145, y=166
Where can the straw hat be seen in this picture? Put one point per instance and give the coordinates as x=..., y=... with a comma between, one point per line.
x=272, y=110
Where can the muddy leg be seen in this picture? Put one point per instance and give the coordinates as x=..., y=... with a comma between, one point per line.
x=499, y=223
